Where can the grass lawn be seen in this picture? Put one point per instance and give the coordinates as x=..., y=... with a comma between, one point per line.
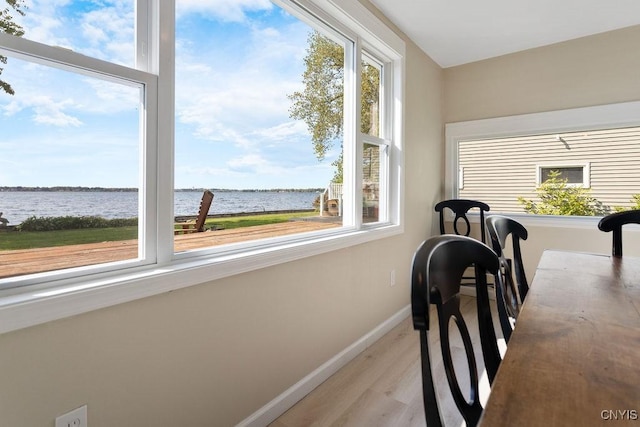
x=44, y=239
x=247, y=221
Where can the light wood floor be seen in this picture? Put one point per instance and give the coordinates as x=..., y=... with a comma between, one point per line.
x=383, y=386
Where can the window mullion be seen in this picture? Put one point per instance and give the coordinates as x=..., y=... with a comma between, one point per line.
x=163, y=58
x=383, y=202
x=359, y=140
x=350, y=135
x=143, y=37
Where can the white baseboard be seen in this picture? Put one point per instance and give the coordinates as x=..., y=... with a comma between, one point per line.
x=278, y=406
x=471, y=291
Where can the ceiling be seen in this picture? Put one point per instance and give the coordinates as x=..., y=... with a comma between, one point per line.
x=455, y=32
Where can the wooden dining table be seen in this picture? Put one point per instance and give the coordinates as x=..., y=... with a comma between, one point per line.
x=574, y=356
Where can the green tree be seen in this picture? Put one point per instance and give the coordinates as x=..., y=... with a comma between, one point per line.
x=320, y=104
x=9, y=26
x=557, y=198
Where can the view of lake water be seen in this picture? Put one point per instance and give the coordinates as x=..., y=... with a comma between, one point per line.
x=17, y=206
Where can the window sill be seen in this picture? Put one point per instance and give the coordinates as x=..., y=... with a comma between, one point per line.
x=551, y=221
x=583, y=222
x=33, y=305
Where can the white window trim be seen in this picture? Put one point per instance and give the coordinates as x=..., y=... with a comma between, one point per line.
x=586, y=172
x=609, y=116
x=33, y=305
x=47, y=300
x=80, y=64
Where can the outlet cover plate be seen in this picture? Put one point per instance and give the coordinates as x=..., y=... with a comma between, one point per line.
x=75, y=418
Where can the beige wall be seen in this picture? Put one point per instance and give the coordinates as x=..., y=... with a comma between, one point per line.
x=600, y=69
x=212, y=354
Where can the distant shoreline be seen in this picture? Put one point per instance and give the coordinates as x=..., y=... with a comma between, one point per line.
x=135, y=190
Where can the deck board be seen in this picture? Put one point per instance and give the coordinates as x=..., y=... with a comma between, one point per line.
x=27, y=261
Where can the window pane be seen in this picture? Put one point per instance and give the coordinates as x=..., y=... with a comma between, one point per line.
x=370, y=111
x=573, y=175
x=103, y=30
x=370, y=183
x=259, y=119
x=70, y=149
x=502, y=172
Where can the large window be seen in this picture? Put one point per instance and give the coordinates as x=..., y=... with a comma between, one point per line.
x=114, y=128
x=75, y=180
x=264, y=119
x=579, y=162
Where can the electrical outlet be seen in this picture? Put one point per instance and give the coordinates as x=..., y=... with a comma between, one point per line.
x=75, y=418
x=392, y=278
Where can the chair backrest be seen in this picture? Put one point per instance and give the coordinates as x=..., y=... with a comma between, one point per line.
x=614, y=222
x=437, y=269
x=205, y=204
x=460, y=208
x=500, y=228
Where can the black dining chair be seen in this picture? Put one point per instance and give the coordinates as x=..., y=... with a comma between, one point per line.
x=510, y=295
x=614, y=222
x=460, y=208
x=437, y=269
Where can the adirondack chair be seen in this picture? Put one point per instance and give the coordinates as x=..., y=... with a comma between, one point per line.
x=196, y=226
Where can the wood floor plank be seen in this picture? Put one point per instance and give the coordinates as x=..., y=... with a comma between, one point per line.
x=383, y=385
x=402, y=381
x=332, y=398
x=372, y=409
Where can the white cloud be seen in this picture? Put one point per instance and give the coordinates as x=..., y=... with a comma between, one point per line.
x=71, y=156
x=239, y=95
x=107, y=32
x=206, y=171
x=43, y=23
x=111, y=31
x=61, y=99
x=234, y=93
x=45, y=110
x=105, y=97
x=250, y=161
x=248, y=165
x=225, y=10
x=282, y=131
x=50, y=112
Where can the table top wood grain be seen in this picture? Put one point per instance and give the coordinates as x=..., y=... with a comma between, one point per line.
x=574, y=356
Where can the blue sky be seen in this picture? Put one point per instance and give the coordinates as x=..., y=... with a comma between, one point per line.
x=236, y=60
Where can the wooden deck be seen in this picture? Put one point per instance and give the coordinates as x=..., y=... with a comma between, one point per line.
x=27, y=261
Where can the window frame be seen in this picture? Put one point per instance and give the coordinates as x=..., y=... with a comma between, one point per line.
x=76, y=63
x=585, y=166
x=384, y=140
x=607, y=116
x=51, y=296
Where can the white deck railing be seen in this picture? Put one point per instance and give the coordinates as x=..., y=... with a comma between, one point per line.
x=333, y=191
